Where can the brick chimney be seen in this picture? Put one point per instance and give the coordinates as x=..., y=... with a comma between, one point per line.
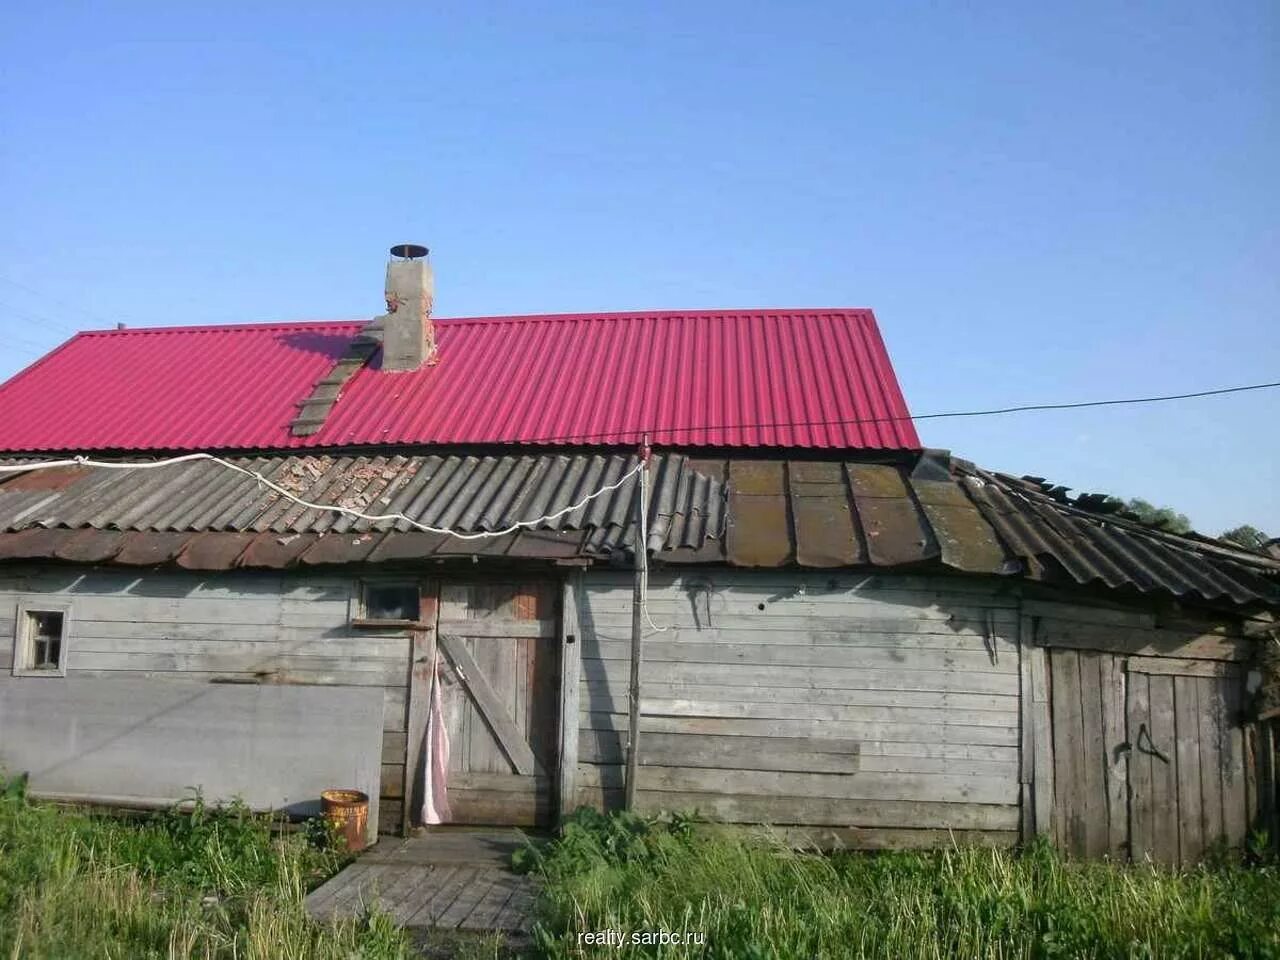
x=408, y=335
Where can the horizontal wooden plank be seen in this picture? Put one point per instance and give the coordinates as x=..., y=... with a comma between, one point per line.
x=184, y=631
x=490, y=807
x=499, y=628
x=611, y=749
x=799, y=754
x=1142, y=642
x=393, y=746
x=293, y=676
x=843, y=616
x=392, y=781
x=974, y=659
x=1007, y=754
x=1166, y=666
x=615, y=691
x=923, y=757
x=652, y=706
x=842, y=729
x=788, y=810
x=243, y=610
x=937, y=788
x=390, y=816
x=225, y=585
x=737, y=585
x=395, y=709
x=353, y=669
x=500, y=782
x=89, y=637
x=839, y=631
x=1089, y=613
x=841, y=678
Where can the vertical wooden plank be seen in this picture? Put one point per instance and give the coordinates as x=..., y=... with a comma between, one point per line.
x=544, y=700
x=1111, y=677
x=1190, y=826
x=1235, y=802
x=1026, y=723
x=422, y=653
x=1042, y=734
x=1211, y=733
x=1093, y=754
x=456, y=715
x=641, y=551
x=1264, y=778
x=522, y=657
x=1064, y=666
x=1160, y=740
x=570, y=671
x=483, y=753
x=1138, y=716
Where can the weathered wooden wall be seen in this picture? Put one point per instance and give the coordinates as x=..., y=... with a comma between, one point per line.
x=198, y=629
x=1152, y=744
x=884, y=707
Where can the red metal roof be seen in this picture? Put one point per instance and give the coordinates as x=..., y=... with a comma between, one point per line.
x=796, y=378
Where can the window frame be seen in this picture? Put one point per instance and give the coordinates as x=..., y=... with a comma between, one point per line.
x=365, y=584
x=24, y=641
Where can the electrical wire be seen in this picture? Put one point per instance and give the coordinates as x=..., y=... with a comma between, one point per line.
x=642, y=535
x=88, y=314
x=329, y=507
x=634, y=434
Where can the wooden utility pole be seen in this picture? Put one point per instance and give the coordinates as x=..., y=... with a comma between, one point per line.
x=641, y=550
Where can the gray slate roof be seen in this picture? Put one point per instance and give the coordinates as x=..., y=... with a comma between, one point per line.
x=935, y=512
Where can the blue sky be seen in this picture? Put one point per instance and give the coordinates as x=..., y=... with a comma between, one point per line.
x=1041, y=202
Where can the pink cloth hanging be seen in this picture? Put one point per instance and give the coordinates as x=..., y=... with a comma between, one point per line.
x=435, y=756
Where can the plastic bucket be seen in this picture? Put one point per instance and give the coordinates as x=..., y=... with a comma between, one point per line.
x=347, y=811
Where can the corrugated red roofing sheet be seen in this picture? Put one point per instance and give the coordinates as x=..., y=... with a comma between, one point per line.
x=798, y=378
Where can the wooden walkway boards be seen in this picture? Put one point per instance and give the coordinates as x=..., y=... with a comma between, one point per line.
x=452, y=879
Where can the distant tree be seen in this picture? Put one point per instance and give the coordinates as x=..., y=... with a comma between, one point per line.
x=1249, y=537
x=1163, y=518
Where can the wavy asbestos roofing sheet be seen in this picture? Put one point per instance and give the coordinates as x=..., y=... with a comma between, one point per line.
x=817, y=379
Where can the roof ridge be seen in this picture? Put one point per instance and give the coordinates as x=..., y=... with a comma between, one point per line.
x=701, y=313
x=223, y=327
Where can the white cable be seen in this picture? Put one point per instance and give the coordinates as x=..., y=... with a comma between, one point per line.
x=332, y=508
x=643, y=544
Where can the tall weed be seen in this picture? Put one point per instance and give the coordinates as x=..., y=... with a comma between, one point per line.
x=753, y=897
x=202, y=883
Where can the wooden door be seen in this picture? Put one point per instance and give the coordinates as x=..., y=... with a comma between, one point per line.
x=1187, y=771
x=500, y=675
x=1090, y=811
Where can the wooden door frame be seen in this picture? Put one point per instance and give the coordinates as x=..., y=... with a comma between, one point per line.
x=570, y=671
x=422, y=656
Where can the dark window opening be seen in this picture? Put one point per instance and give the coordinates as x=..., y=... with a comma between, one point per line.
x=391, y=601
x=44, y=634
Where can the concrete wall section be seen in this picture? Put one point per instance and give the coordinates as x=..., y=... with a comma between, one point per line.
x=153, y=741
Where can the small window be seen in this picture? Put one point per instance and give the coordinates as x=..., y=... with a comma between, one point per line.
x=40, y=641
x=391, y=601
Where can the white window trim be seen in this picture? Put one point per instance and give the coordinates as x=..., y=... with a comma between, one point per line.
x=22, y=641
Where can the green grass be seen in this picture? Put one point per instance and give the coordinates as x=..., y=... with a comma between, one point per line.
x=754, y=898
x=223, y=884
x=208, y=884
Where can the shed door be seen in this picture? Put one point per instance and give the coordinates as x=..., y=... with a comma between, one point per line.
x=499, y=674
x=1186, y=759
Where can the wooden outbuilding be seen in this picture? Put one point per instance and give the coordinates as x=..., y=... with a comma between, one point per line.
x=843, y=634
